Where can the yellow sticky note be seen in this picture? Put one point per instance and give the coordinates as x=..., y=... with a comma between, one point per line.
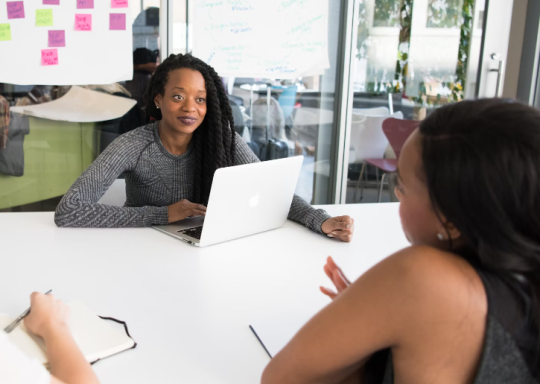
x=44, y=18
x=5, y=32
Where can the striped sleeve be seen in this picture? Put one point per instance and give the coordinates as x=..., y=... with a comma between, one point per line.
x=79, y=207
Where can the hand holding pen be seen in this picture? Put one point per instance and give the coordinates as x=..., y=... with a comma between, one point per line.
x=16, y=322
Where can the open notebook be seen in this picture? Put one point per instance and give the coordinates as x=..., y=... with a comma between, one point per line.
x=96, y=338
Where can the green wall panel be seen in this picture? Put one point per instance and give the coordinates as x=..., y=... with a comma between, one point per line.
x=55, y=154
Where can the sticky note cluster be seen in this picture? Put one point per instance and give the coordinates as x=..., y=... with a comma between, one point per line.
x=49, y=57
x=5, y=32
x=57, y=38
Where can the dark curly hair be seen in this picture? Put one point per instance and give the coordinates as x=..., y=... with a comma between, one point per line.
x=214, y=140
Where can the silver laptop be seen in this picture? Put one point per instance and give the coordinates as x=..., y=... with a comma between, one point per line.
x=244, y=200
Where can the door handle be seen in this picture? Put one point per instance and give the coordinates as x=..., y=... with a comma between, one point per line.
x=498, y=89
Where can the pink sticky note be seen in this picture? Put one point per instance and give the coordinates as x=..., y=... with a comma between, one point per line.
x=83, y=22
x=49, y=57
x=117, y=21
x=119, y=3
x=51, y=2
x=85, y=4
x=15, y=9
x=57, y=38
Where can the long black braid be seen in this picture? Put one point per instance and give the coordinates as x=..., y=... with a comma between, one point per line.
x=214, y=140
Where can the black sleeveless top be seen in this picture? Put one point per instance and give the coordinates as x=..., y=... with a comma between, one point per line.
x=509, y=351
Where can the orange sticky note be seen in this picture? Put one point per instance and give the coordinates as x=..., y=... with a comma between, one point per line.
x=83, y=22
x=49, y=57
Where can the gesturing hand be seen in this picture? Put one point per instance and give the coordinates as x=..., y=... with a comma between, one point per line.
x=340, y=227
x=184, y=208
x=335, y=274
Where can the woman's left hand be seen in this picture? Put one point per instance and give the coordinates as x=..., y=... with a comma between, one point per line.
x=340, y=227
x=335, y=274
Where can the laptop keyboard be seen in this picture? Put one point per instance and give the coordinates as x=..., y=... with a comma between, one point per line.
x=194, y=232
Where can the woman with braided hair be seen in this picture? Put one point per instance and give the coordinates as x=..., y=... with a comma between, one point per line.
x=169, y=164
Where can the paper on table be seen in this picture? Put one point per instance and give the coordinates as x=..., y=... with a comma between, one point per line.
x=80, y=105
x=96, y=338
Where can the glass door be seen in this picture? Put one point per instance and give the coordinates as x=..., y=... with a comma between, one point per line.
x=411, y=57
x=254, y=46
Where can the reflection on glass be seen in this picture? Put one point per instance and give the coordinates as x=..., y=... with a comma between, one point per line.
x=276, y=117
x=411, y=57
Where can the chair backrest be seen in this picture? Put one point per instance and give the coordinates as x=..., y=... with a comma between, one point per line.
x=115, y=195
x=397, y=132
x=379, y=111
x=287, y=100
x=367, y=137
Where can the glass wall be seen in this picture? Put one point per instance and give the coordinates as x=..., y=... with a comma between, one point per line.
x=277, y=117
x=411, y=57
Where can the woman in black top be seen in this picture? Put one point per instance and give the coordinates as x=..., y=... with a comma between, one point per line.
x=462, y=304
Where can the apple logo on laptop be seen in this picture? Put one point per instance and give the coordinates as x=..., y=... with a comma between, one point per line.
x=254, y=201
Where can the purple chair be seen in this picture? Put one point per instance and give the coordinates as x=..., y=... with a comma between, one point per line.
x=397, y=132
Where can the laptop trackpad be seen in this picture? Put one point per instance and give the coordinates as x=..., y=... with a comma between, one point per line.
x=190, y=222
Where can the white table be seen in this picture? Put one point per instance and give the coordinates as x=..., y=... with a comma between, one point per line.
x=187, y=308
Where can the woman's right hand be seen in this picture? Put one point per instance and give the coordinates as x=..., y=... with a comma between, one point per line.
x=46, y=315
x=184, y=208
x=335, y=274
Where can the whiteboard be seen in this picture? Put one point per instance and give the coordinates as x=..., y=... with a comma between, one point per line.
x=262, y=38
x=99, y=56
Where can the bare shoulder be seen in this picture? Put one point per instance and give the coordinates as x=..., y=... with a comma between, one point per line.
x=428, y=265
x=426, y=284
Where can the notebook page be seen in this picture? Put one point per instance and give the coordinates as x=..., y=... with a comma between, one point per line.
x=96, y=338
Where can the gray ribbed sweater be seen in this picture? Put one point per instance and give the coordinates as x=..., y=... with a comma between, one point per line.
x=155, y=179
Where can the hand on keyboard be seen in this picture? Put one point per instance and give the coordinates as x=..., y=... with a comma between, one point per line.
x=194, y=232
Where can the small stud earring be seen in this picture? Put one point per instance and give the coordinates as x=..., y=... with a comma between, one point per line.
x=157, y=107
x=440, y=236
